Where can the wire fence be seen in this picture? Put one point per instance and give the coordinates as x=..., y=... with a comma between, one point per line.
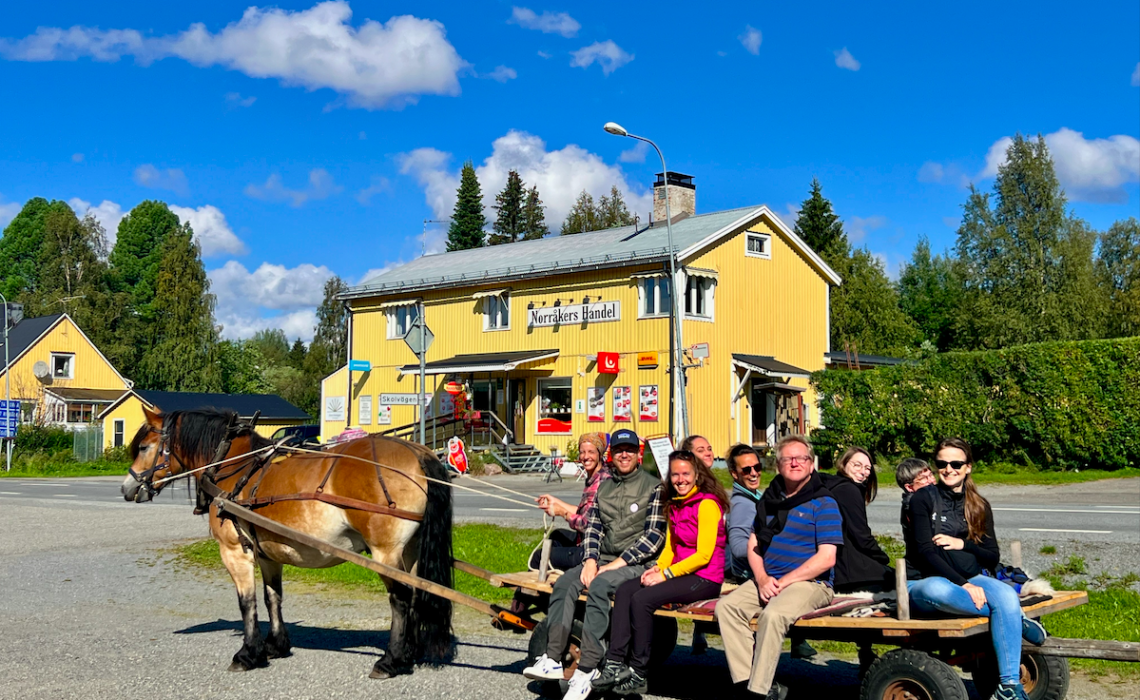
x=87, y=445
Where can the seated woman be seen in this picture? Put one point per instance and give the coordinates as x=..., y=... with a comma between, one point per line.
x=691, y=568
x=862, y=564
x=700, y=446
x=950, y=541
x=566, y=550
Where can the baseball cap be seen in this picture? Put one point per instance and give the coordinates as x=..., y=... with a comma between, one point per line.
x=624, y=436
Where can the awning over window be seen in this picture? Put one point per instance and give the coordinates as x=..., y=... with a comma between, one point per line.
x=483, y=362
x=698, y=272
x=490, y=293
x=402, y=302
x=769, y=366
x=648, y=275
x=778, y=388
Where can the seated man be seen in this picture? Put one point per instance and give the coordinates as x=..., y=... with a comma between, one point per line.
x=625, y=529
x=791, y=552
x=744, y=467
x=911, y=475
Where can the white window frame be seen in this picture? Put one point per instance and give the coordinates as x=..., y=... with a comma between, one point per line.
x=118, y=432
x=70, y=357
x=491, y=306
x=643, y=292
x=706, y=288
x=411, y=310
x=767, y=243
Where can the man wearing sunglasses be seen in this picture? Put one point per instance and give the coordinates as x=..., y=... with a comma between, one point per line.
x=744, y=466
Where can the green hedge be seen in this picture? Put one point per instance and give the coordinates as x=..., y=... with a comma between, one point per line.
x=1055, y=405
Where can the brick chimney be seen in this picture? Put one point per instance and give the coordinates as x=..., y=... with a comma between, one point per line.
x=682, y=195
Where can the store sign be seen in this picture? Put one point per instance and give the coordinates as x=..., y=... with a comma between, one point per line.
x=576, y=314
x=402, y=399
x=607, y=363
x=647, y=360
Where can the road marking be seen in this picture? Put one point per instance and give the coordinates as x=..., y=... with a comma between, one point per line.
x=1045, y=529
x=9, y=493
x=1065, y=510
x=1133, y=507
x=65, y=495
x=506, y=510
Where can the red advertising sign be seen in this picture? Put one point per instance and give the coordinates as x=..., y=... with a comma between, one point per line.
x=607, y=363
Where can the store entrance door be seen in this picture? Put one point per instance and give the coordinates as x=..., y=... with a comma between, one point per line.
x=516, y=402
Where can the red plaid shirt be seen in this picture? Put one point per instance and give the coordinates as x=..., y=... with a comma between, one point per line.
x=589, y=495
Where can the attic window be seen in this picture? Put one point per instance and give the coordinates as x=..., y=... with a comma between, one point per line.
x=758, y=245
x=62, y=366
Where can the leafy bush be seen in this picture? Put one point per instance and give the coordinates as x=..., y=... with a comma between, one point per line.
x=1057, y=405
x=32, y=439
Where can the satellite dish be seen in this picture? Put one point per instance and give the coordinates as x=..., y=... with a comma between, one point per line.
x=40, y=369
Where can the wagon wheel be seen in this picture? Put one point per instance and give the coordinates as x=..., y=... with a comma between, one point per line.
x=906, y=674
x=1043, y=677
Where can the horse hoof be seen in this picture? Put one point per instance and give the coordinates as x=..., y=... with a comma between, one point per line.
x=237, y=667
x=275, y=652
x=381, y=671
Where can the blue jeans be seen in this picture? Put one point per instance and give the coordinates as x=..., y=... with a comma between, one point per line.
x=1002, y=606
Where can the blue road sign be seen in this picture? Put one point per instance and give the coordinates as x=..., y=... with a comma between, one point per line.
x=359, y=366
x=9, y=418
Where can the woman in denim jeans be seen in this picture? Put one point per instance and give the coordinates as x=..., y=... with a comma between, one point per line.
x=950, y=542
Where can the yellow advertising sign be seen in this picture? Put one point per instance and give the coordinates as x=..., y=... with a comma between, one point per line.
x=646, y=360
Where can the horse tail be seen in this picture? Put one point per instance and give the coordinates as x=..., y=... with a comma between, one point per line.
x=432, y=614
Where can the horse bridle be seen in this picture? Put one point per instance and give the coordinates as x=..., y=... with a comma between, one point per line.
x=146, y=478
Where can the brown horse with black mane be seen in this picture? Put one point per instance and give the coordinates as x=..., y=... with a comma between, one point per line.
x=393, y=512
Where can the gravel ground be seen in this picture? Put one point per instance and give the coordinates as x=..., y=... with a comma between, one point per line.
x=92, y=608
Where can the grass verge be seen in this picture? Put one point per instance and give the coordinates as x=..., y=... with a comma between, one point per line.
x=66, y=469
x=1113, y=612
x=497, y=549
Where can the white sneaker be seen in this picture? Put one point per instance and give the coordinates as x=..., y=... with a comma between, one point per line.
x=581, y=685
x=544, y=669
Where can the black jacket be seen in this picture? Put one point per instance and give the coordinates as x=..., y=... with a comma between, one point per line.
x=861, y=562
x=937, y=510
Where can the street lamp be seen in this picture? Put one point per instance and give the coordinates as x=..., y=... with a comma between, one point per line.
x=681, y=416
x=7, y=381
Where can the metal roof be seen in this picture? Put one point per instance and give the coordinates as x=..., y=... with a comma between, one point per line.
x=615, y=247
x=769, y=365
x=481, y=362
x=842, y=359
x=272, y=407
x=86, y=395
x=25, y=333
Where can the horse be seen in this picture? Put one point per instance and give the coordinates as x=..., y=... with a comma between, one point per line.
x=394, y=513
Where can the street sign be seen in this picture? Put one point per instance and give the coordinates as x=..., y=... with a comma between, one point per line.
x=413, y=337
x=9, y=418
x=403, y=399
x=359, y=366
x=700, y=351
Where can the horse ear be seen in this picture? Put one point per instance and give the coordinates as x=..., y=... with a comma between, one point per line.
x=153, y=418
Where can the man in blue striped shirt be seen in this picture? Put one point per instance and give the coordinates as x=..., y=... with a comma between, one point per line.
x=791, y=552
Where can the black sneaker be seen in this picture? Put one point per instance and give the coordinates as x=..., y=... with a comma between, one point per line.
x=777, y=691
x=634, y=684
x=1032, y=631
x=802, y=650
x=613, y=672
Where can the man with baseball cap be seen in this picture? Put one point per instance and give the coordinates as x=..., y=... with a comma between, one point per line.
x=625, y=529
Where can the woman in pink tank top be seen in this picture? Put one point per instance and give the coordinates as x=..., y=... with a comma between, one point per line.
x=690, y=568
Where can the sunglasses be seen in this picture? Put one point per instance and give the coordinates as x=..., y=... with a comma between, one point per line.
x=749, y=469
x=956, y=465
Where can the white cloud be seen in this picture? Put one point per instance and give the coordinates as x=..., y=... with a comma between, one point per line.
x=76, y=157
x=211, y=230
x=171, y=179
x=374, y=65
x=858, y=227
x=930, y=172
x=234, y=99
x=951, y=174
x=321, y=186
x=244, y=297
x=8, y=211
x=606, y=54
x=108, y=214
x=547, y=23
x=1090, y=170
x=1136, y=76
x=636, y=154
x=560, y=176
x=844, y=59
x=543, y=54
x=751, y=39
x=502, y=74
x=377, y=185
x=791, y=213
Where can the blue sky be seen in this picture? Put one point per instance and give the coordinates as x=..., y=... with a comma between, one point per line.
x=305, y=139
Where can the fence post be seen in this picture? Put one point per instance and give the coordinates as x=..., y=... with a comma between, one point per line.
x=900, y=590
x=1015, y=553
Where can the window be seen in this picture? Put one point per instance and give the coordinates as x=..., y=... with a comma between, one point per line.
x=758, y=245
x=653, y=297
x=120, y=426
x=63, y=366
x=400, y=319
x=555, y=405
x=699, y=296
x=80, y=412
x=497, y=312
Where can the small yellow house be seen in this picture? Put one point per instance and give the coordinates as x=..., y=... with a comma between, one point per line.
x=57, y=373
x=568, y=334
x=122, y=419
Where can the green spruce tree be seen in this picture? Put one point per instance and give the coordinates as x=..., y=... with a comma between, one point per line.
x=468, y=221
x=534, y=216
x=612, y=210
x=327, y=351
x=820, y=227
x=182, y=335
x=510, y=222
x=929, y=293
x=297, y=353
x=582, y=217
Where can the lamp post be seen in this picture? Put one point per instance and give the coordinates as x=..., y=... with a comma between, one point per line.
x=7, y=382
x=681, y=415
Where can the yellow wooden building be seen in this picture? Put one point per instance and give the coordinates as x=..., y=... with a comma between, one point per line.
x=122, y=419
x=570, y=334
x=57, y=373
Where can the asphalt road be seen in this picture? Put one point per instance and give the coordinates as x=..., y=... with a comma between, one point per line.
x=93, y=606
